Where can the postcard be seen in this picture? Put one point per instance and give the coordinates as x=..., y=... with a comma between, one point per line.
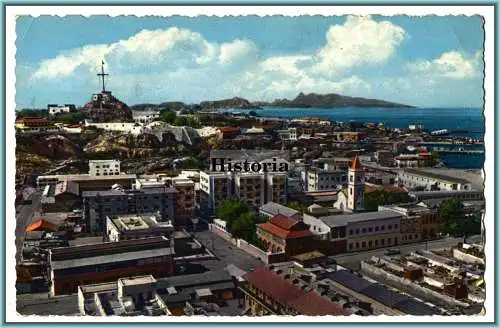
x=249, y=164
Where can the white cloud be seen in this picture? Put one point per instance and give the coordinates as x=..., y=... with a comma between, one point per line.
x=238, y=51
x=453, y=64
x=360, y=41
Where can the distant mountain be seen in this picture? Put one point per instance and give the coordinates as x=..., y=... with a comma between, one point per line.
x=331, y=100
x=235, y=102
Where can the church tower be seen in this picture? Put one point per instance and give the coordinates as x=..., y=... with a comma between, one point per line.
x=356, y=187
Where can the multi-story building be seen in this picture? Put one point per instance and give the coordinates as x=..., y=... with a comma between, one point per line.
x=99, y=204
x=69, y=267
x=104, y=167
x=184, y=200
x=214, y=187
x=133, y=226
x=250, y=187
x=418, y=222
x=413, y=178
x=325, y=179
x=359, y=231
x=276, y=187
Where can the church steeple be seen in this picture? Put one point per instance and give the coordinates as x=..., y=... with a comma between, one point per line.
x=356, y=188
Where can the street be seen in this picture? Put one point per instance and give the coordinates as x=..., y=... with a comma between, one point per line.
x=226, y=253
x=25, y=217
x=352, y=260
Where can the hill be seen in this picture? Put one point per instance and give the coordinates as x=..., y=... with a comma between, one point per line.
x=332, y=100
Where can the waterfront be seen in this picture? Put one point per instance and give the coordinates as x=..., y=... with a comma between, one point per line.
x=470, y=119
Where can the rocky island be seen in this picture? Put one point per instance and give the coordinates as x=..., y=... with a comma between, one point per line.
x=331, y=100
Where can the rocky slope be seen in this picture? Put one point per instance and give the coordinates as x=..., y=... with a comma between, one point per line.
x=333, y=100
x=111, y=110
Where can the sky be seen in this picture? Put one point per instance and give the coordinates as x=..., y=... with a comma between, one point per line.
x=422, y=61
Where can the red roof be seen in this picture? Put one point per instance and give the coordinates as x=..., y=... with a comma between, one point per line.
x=32, y=120
x=227, y=129
x=289, y=294
x=355, y=164
x=283, y=233
x=41, y=225
x=283, y=222
x=314, y=304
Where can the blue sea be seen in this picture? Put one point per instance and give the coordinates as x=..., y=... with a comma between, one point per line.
x=470, y=119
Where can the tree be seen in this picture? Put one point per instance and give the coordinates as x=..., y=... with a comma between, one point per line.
x=26, y=112
x=455, y=222
x=382, y=197
x=69, y=118
x=297, y=206
x=231, y=209
x=180, y=121
x=167, y=116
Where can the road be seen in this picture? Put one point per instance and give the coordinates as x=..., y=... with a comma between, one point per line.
x=226, y=253
x=25, y=217
x=352, y=260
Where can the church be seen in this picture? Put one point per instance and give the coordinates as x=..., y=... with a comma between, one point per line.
x=351, y=200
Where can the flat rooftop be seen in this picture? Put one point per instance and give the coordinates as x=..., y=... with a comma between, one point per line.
x=342, y=220
x=137, y=222
x=131, y=192
x=139, y=280
x=449, y=175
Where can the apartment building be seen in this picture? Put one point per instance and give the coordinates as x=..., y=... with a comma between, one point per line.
x=184, y=200
x=418, y=222
x=276, y=187
x=250, y=187
x=99, y=204
x=324, y=179
x=214, y=187
x=359, y=231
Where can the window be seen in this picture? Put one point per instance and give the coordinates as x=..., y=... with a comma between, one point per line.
x=363, y=230
x=363, y=244
x=389, y=227
x=411, y=237
x=376, y=228
x=376, y=242
x=395, y=226
x=369, y=243
x=357, y=245
x=382, y=228
x=350, y=232
x=350, y=246
x=388, y=240
x=357, y=231
x=382, y=241
x=370, y=229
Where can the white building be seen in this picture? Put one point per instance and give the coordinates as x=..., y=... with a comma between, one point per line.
x=57, y=109
x=413, y=178
x=214, y=187
x=288, y=134
x=104, y=167
x=324, y=179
